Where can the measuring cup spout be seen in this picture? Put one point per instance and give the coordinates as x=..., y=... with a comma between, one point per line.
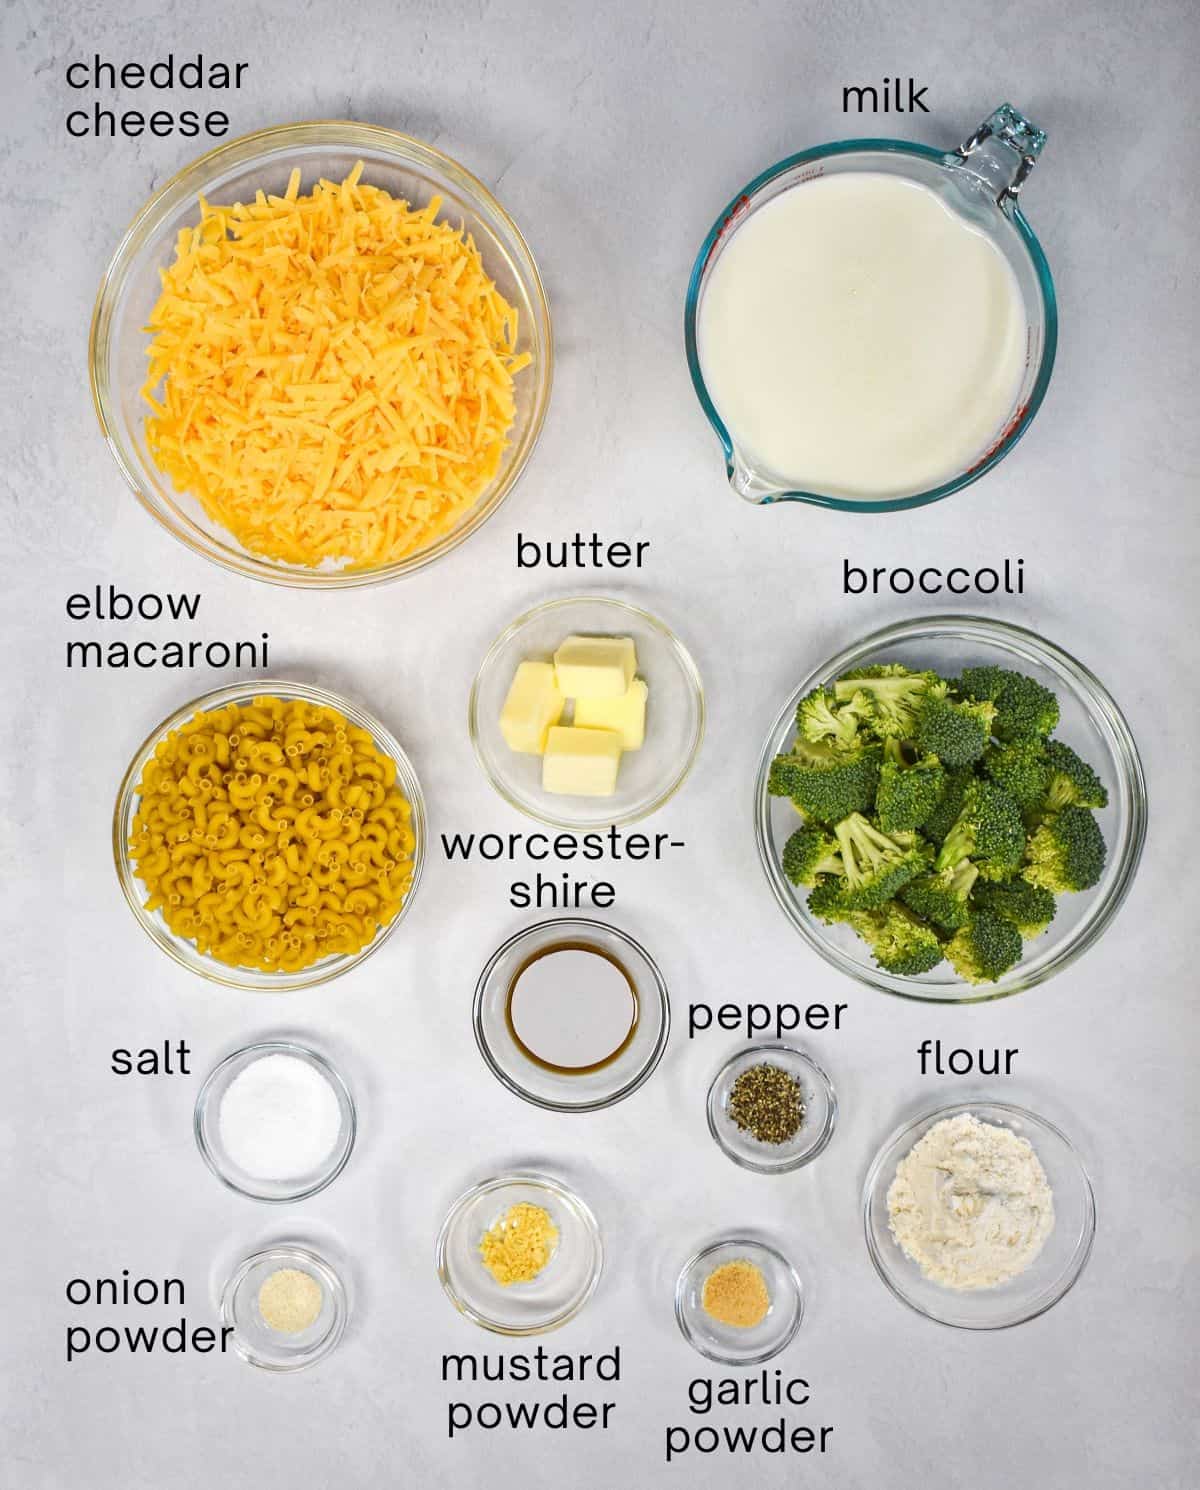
x=748, y=484
x=1001, y=153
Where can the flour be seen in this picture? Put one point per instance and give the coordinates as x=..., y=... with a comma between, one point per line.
x=970, y=1204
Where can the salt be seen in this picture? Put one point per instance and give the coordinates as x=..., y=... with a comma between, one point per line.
x=279, y=1118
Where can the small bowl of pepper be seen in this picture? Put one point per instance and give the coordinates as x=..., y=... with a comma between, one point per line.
x=771, y=1108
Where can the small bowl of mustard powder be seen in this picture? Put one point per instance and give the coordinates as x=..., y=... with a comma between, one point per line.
x=519, y=1254
x=739, y=1302
x=771, y=1108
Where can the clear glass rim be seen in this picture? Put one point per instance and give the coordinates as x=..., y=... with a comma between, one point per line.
x=566, y=925
x=1007, y=440
x=560, y=1192
x=750, y=1245
x=687, y=665
x=288, y=1252
x=805, y=1156
x=208, y=967
x=257, y=1050
x=1083, y=1246
x=188, y=182
x=1097, y=700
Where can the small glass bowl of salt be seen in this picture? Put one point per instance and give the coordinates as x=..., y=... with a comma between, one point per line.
x=275, y=1121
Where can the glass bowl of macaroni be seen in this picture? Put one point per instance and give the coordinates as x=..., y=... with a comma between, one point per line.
x=184, y=949
x=407, y=169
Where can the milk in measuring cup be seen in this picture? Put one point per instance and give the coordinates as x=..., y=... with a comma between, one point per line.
x=860, y=339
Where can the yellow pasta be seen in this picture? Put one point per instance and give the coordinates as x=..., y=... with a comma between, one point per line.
x=272, y=834
x=331, y=374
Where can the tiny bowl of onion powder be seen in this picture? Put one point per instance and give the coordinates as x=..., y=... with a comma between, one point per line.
x=979, y=1215
x=275, y=1121
x=287, y=1307
x=771, y=1108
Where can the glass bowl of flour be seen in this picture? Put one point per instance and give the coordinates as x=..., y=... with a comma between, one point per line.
x=980, y=1215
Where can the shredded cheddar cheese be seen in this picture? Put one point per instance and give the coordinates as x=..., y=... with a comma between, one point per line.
x=331, y=375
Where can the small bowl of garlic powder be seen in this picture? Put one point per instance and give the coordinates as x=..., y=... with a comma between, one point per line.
x=287, y=1307
x=739, y=1301
x=980, y=1215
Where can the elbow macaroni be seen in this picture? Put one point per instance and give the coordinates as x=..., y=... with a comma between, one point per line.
x=272, y=835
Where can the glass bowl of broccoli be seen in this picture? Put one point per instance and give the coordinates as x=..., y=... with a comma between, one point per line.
x=952, y=809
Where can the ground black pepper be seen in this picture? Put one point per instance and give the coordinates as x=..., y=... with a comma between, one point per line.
x=767, y=1102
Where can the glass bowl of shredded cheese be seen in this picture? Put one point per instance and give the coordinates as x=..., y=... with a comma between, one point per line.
x=321, y=354
x=269, y=835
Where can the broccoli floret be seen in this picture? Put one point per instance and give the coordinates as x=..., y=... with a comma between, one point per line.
x=809, y=853
x=826, y=783
x=1067, y=852
x=943, y=898
x=957, y=733
x=1024, y=708
x=989, y=830
x=826, y=901
x=874, y=866
x=1072, y=781
x=900, y=943
x=983, y=683
x=1030, y=908
x=820, y=719
x=908, y=792
x=893, y=692
x=1022, y=770
x=945, y=814
x=985, y=948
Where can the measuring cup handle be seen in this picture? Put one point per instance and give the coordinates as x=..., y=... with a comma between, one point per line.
x=1003, y=169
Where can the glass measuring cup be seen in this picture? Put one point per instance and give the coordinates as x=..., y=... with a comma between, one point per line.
x=980, y=181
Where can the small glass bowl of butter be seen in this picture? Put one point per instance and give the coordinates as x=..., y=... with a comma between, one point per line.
x=587, y=713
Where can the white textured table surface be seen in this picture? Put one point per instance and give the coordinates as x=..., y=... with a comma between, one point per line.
x=613, y=134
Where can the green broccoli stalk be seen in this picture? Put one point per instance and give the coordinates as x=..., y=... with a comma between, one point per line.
x=825, y=783
x=943, y=898
x=900, y=943
x=957, y=733
x=809, y=853
x=819, y=719
x=1024, y=708
x=989, y=830
x=1067, y=852
x=985, y=948
x=908, y=791
x=893, y=692
x=874, y=866
x=1022, y=770
x=1030, y=908
x=1072, y=781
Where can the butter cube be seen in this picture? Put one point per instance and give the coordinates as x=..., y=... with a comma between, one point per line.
x=581, y=762
x=627, y=716
x=595, y=666
x=534, y=703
